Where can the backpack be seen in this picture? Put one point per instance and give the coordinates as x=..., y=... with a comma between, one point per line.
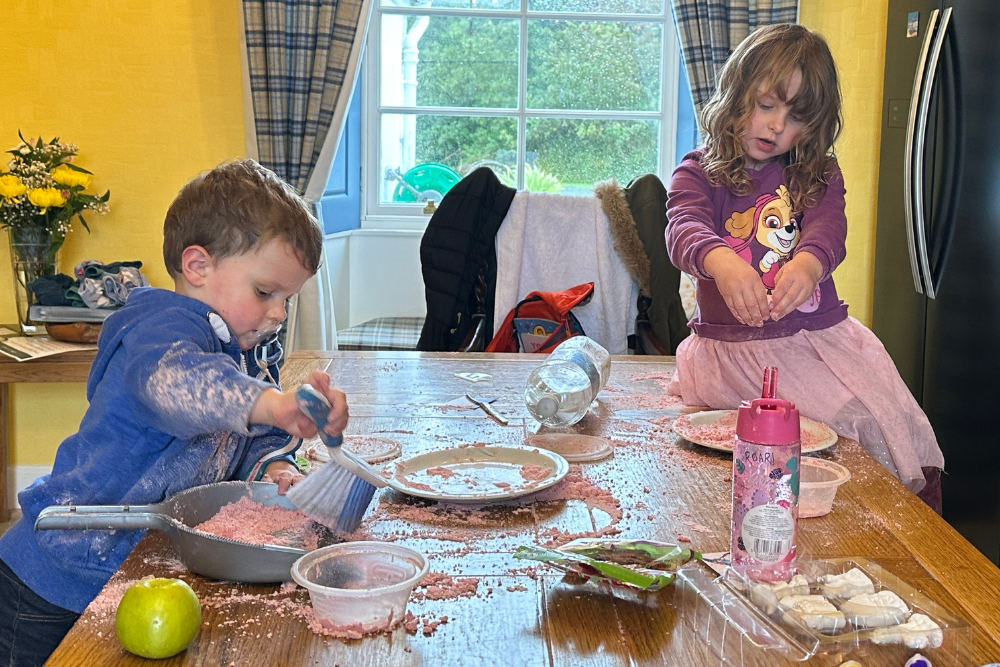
x=542, y=320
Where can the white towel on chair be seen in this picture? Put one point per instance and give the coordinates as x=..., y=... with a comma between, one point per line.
x=549, y=243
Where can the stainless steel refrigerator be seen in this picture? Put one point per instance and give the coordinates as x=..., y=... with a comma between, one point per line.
x=937, y=253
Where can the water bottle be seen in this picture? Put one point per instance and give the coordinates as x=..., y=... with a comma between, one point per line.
x=560, y=391
x=766, y=455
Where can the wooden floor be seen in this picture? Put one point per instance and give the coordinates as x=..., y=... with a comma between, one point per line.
x=15, y=514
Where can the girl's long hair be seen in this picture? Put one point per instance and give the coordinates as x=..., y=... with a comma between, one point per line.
x=768, y=57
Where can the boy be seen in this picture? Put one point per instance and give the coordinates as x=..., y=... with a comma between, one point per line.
x=171, y=405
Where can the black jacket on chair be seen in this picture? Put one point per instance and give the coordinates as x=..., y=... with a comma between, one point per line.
x=457, y=248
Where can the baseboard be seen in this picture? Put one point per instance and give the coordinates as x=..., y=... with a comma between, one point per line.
x=20, y=477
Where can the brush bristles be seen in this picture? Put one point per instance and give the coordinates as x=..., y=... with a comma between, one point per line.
x=334, y=497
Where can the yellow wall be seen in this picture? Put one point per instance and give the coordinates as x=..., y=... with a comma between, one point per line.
x=151, y=93
x=855, y=30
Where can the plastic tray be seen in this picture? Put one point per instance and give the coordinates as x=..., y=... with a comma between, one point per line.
x=740, y=618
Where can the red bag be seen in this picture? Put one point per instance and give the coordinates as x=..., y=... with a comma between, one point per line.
x=541, y=321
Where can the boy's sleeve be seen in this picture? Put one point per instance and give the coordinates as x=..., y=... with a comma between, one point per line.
x=260, y=446
x=824, y=228
x=182, y=381
x=690, y=233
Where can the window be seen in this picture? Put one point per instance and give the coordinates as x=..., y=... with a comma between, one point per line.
x=553, y=95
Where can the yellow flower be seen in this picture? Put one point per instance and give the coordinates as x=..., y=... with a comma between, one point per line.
x=11, y=186
x=63, y=175
x=46, y=197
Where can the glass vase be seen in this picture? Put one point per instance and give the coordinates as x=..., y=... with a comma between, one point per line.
x=31, y=257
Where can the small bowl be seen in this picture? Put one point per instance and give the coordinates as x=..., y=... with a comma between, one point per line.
x=360, y=587
x=818, y=485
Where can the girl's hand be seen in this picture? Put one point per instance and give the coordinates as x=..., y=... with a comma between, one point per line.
x=794, y=284
x=739, y=285
x=280, y=409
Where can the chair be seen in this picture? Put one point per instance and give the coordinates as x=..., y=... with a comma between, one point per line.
x=549, y=243
x=661, y=321
x=458, y=263
x=382, y=333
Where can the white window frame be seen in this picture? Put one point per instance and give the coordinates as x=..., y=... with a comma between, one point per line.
x=410, y=216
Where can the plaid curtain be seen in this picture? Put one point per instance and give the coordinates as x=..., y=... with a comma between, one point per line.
x=709, y=30
x=298, y=54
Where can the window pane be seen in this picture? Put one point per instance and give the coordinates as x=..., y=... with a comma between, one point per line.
x=491, y=5
x=579, y=153
x=423, y=156
x=594, y=66
x=598, y=6
x=449, y=61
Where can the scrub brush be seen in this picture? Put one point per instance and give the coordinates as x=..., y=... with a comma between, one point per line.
x=337, y=494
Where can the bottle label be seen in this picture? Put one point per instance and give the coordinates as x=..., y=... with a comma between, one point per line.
x=768, y=533
x=588, y=367
x=765, y=503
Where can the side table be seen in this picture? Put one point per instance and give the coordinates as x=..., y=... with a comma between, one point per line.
x=65, y=367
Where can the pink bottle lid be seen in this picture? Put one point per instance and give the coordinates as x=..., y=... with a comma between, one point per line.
x=768, y=420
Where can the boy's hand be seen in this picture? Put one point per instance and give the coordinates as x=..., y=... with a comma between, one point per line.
x=282, y=473
x=739, y=285
x=794, y=284
x=280, y=409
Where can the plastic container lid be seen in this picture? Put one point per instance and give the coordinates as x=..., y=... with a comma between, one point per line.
x=372, y=449
x=360, y=586
x=818, y=485
x=572, y=446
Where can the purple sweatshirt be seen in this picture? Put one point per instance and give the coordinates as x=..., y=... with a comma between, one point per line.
x=761, y=229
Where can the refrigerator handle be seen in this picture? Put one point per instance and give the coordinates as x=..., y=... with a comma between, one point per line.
x=920, y=228
x=908, y=161
x=953, y=164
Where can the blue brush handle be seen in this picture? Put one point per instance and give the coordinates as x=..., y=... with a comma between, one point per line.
x=315, y=406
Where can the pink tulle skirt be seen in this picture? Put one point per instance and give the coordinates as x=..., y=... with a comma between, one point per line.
x=841, y=376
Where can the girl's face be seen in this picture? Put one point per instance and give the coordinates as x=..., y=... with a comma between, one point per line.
x=772, y=128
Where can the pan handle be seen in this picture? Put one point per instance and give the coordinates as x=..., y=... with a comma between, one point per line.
x=104, y=517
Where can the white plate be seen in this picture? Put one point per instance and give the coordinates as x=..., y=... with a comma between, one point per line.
x=476, y=474
x=823, y=434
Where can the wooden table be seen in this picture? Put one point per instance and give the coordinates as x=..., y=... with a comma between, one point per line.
x=66, y=367
x=517, y=617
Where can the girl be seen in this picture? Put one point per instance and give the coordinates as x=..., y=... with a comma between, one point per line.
x=757, y=217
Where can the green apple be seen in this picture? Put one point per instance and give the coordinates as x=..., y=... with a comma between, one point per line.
x=158, y=618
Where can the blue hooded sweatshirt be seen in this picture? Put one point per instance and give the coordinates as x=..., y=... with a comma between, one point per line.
x=169, y=406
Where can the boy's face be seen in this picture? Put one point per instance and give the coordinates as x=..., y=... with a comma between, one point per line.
x=249, y=291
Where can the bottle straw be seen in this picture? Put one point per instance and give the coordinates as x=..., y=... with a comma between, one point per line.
x=770, y=383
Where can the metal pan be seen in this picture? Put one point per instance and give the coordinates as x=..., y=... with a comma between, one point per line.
x=208, y=555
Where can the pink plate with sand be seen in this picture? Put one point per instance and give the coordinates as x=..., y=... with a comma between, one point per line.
x=716, y=429
x=478, y=474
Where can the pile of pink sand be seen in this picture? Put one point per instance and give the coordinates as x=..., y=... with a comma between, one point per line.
x=254, y=523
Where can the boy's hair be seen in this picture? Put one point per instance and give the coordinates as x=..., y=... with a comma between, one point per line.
x=236, y=208
x=769, y=56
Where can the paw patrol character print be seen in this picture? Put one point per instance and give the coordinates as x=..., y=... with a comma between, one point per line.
x=765, y=235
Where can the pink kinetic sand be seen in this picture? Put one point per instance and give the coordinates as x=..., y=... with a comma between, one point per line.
x=254, y=523
x=533, y=473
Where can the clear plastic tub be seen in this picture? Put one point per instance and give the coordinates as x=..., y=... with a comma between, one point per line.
x=745, y=623
x=818, y=486
x=360, y=587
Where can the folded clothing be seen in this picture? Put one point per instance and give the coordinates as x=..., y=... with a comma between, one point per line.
x=96, y=285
